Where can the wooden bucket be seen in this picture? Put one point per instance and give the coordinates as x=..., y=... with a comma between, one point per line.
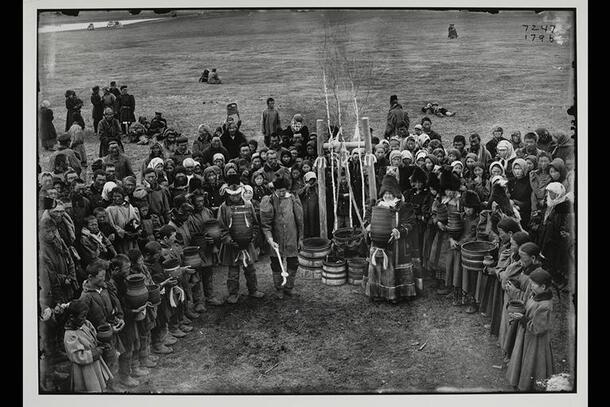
x=315, y=263
x=334, y=271
x=382, y=223
x=356, y=267
x=315, y=248
x=473, y=254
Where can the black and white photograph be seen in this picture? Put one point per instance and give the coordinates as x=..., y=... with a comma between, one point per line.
x=242, y=202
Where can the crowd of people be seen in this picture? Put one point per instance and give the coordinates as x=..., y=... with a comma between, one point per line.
x=101, y=226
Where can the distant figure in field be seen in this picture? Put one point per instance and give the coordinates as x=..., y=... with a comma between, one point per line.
x=204, y=76
x=452, y=32
x=434, y=108
x=396, y=118
x=213, y=78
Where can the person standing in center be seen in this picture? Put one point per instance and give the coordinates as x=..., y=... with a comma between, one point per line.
x=271, y=121
x=282, y=224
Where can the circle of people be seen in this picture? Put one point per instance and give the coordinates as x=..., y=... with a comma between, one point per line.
x=100, y=228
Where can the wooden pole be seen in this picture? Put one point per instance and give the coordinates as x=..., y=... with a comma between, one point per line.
x=348, y=144
x=321, y=180
x=368, y=146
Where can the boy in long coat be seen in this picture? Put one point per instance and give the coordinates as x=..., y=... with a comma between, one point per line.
x=282, y=224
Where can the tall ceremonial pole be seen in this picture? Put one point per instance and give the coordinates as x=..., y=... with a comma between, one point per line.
x=370, y=165
x=321, y=179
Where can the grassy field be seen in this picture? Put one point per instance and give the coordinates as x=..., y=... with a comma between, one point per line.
x=328, y=339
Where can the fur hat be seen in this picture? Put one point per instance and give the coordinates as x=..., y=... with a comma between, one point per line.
x=448, y=180
x=395, y=153
x=234, y=184
x=280, y=182
x=471, y=199
x=418, y=175
x=389, y=183
x=393, y=98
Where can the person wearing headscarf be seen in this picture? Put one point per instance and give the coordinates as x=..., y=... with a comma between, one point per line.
x=309, y=200
x=555, y=234
x=211, y=188
x=532, y=357
x=505, y=156
x=203, y=140
x=515, y=140
x=311, y=152
x=389, y=277
x=124, y=218
x=558, y=173
x=89, y=370
x=515, y=283
x=520, y=190
x=47, y=132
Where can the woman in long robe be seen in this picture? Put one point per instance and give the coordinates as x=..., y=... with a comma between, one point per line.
x=390, y=274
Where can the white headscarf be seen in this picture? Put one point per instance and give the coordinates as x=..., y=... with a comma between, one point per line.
x=154, y=162
x=108, y=186
x=558, y=189
x=511, y=152
x=406, y=154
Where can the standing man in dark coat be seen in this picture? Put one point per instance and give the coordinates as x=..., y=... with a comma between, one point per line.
x=98, y=107
x=396, y=118
x=232, y=139
x=73, y=104
x=282, y=224
x=127, y=107
x=271, y=121
x=48, y=135
x=109, y=130
x=493, y=143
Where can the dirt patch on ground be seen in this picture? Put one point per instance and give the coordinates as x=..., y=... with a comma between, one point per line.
x=334, y=340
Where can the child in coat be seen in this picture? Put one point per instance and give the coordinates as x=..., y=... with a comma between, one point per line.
x=532, y=358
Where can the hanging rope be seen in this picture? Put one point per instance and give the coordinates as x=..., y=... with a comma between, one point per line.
x=357, y=137
x=344, y=156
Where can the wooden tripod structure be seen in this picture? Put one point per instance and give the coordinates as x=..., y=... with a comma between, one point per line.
x=321, y=170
